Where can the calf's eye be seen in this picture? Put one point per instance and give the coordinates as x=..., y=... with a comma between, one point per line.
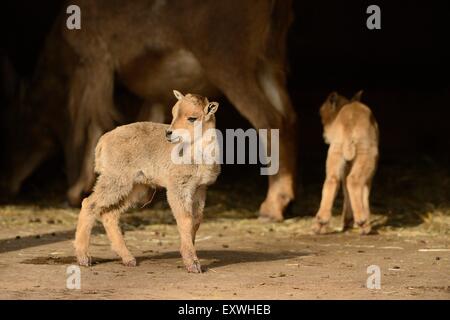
x=192, y=119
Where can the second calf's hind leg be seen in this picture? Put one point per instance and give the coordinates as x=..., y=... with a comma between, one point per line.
x=366, y=206
x=329, y=191
x=366, y=196
x=357, y=183
x=347, y=212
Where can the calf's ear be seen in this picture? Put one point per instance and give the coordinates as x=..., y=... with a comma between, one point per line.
x=333, y=99
x=210, y=109
x=357, y=96
x=178, y=94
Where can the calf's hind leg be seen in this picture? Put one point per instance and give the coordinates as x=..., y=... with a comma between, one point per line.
x=109, y=199
x=347, y=212
x=86, y=220
x=110, y=221
x=358, y=183
x=335, y=162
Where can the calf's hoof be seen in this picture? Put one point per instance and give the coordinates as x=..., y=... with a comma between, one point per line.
x=194, y=267
x=364, y=227
x=84, y=260
x=319, y=227
x=129, y=262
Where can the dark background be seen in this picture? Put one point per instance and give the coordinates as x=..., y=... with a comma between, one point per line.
x=403, y=69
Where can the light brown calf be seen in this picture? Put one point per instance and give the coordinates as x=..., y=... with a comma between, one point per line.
x=352, y=133
x=133, y=158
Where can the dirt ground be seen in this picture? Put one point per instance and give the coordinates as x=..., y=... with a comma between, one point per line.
x=242, y=257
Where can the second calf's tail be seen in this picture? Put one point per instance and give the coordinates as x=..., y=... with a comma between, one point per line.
x=349, y=150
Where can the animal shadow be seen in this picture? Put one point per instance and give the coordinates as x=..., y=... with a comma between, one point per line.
x=221, y=258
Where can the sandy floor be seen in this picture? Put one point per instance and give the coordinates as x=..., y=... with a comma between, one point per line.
x=242, y=260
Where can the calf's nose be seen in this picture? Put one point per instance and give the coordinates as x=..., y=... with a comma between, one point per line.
x=168, y=133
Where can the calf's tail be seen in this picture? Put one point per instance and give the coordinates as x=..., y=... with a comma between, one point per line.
x=349, y=150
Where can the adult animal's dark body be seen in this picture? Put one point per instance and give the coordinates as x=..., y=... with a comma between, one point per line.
x=235, y=48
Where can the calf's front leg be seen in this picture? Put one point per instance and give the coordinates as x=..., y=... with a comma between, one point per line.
x=182, y=208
